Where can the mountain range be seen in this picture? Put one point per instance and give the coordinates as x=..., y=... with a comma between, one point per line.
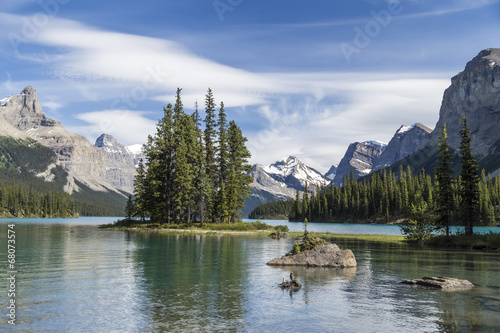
x=281, y=180
x=108, y=167
x=474, y=93
x=100, y=173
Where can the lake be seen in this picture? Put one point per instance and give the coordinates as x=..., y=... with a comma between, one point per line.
x=72, y=276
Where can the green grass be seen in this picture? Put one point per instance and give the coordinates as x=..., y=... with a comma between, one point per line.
x=257, y=227
x=490, y=240
x=234, y=227
x=485, y=241
x=365, y=237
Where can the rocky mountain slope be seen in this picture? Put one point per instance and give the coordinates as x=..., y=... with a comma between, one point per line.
x=120, y=167
x=405, y=141
x=281, y=180
x=331, y=173
x=22, y=116
x=359, y=157
x=474, y=94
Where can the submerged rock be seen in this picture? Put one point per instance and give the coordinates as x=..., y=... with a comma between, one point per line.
x=440, y=282
x=324, y=255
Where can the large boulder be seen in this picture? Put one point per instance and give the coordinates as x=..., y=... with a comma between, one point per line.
x=440, y=282
x=324, y=255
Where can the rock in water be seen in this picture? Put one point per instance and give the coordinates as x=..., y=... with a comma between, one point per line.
x=440, y=282
x=293, y=284
x=324, y=255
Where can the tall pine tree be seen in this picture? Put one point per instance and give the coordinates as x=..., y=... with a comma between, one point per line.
x=240, y=178
x=210, y=158
x=222, y=164
x=469, y=190
x=445, y=204
x=201, y=181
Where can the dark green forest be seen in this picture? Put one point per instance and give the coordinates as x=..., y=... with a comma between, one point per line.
x=18, y=202
x=385, y=197
x=276, y=210
x=192, y=174
x=22, y=160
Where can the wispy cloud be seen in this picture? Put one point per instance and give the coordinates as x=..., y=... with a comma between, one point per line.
x=350, y=109
x=129, y=127
x=312, y=115
x=452, y=7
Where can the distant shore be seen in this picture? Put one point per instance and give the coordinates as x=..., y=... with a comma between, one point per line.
x=489, y=241
x=247, y=228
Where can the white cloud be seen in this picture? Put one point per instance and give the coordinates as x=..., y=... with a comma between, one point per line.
x=150, y=64
x=312, y=115
x=129, y=127
x=371, y=109
x=54, y=106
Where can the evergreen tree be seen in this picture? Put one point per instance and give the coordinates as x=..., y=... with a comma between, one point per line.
x=295, y=212
x=140, y=190
x=210, y=162
x=240, y=178
x=443, y=171
x=222, y=163
x=305, y=202
x=160, y=152
x=469, y=190
x=129, y=209
x=201, y=181
x=183, y=162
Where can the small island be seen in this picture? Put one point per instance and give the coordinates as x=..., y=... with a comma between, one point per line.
x=313, y=251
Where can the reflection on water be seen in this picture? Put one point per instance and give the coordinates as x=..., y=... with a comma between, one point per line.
x=81, y=278
x=192, y=282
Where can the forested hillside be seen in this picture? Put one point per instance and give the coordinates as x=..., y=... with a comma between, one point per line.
x=382, y=199
x=468, y=200
x=18, y=202
x=29, y=177
x=276, y=210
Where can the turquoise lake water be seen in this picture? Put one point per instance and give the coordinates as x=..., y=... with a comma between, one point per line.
x=72, y=276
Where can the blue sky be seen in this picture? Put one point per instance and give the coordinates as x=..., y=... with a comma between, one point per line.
x=302, y=78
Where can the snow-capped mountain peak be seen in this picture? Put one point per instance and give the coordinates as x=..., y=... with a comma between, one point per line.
x=291, y=170
x=283, y=167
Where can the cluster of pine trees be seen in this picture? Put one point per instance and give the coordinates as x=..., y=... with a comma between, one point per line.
x=15, y=201
x=192, y=174
x=272, y=210
x=386, y=198
x=467, y=200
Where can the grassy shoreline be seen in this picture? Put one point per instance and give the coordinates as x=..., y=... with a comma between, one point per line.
x=489, y=241
x=252, y=228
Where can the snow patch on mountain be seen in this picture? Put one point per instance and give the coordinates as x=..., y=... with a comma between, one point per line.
x=4, y=101
x=281, y=180
x=404, y=129
x=330, y=174
x=375, y=144
x=291, y=169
